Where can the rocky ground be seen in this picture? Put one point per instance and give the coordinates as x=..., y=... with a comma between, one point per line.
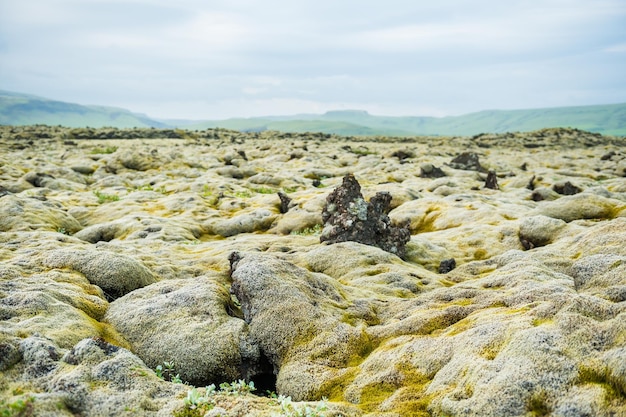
x=122, y=251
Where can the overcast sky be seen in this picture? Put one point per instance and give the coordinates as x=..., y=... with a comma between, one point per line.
x=216, y=59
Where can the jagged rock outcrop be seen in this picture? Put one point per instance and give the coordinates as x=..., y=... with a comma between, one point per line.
x=348, y=217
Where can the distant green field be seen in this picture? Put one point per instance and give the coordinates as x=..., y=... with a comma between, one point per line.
x=22, y=109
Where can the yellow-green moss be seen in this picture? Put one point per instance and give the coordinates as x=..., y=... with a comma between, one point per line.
x=335, y=388
x=460, y=326
x=462, y=302
x=539, y=321
x=537, y=405
x=602, y=376
x=410, y=399
x=373, y=395
x=366, y=347
x=110, y=335
x=480, y=254
x=490, y=352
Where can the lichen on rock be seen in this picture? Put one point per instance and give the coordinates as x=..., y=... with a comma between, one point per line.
x=348, y=217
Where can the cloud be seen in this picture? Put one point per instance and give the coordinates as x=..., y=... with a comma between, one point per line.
x=618, y=48
x=246, y=57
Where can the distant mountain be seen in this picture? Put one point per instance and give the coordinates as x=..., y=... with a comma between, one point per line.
x=23, y=109
x=606, y=119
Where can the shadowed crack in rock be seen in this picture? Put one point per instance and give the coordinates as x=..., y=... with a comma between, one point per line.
x=348, y=217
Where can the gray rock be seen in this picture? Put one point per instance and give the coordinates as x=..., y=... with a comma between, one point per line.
x=294, y=317
x=469, y=161
x=9, y=351
x=19, y=213
x=116, y=274
x=540, y=230
x=253, y=221
x=582, y=206
x=595, y=272
x=188, y=322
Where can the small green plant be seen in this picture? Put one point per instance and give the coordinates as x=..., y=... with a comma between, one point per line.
x=106, y=150
x=166, y=372
x=314, y=230
x=18, y=408
x=148, y=187
x=288, y=409
x=290, y=189
x=242, y=194
x=62, y=230
x=206, y=191
x=362, y=151
x=237, y=387
x=105, y=198
x=264, y=190
x=196, y=404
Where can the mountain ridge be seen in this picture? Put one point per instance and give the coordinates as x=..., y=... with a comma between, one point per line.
x=607, y=119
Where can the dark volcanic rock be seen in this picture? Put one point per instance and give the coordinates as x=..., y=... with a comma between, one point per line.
x=348, y=217
x=566, y=188
x=447, y=265
x=468, y=161
x=284, y=202
x=492, y=181
x=430, y=171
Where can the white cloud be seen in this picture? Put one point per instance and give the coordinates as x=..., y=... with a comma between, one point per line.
x=244, y=57
x=618, y=48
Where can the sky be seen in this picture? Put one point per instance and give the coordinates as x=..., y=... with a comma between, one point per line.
x=195, y=59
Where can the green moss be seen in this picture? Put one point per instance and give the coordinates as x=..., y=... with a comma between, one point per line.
x=446, y=283
x=109, y=334
x=601, y=375
x=18, y=407
x=366, y=346
x=105, y=150
x=264, y=190
x=427, y=223
x=105, y=198
x=539, y=321
x=460, y=327
x=335, y=388
x=537, y=405
x=462, y=302
x=480, y=254
x=373, y=395
x=490, y=352
x=309, y=231
x=411, y=400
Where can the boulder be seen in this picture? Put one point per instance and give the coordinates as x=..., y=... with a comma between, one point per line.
x=18, y=213
x=116, y=274
x=192, y=323
x=581, y=206
x=539, y=230
x=294, y=317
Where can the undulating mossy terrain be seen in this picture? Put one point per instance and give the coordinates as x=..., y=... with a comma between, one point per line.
x=172, y=272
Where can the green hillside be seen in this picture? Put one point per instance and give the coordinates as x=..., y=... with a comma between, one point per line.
x=23, y=109
x=605, y=119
